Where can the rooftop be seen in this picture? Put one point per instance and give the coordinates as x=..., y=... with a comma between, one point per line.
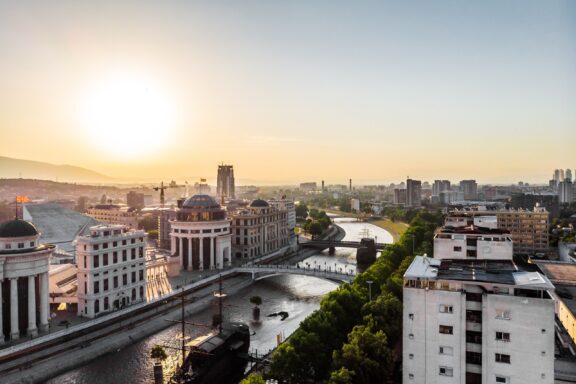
x=473, y=230
x=486, y=271
x=17, y=228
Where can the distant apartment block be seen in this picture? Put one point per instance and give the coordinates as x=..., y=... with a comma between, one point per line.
x=308, y=187
x=413, y=193
x=355, y=205
x=114, y=214
x=290, y=208
x=472, y=243
x=111, y=269
x=470, y=189
x=566, y=192
x=400, y=196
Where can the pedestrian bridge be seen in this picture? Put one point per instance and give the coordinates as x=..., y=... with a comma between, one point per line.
x=263, y=271
x=339, y=243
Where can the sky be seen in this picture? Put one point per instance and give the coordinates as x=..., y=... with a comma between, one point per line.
x=292, y=91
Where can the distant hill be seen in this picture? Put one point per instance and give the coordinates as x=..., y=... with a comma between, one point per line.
x=28, y=169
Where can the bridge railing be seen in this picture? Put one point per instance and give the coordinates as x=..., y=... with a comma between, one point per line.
x=312, y=269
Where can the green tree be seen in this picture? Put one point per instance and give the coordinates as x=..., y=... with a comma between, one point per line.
x=256, y=300
x=341, y=376
x=253, y=378
x=367, y=354
x=301, y=211
x=158, y=353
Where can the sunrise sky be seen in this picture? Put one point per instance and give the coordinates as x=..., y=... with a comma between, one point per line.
x=291, y=91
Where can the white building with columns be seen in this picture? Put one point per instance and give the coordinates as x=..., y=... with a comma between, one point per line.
x=24, y=264
x=111, y=269
x=200, y=235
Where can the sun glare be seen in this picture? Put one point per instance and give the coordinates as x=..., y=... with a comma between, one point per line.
x=128, y=116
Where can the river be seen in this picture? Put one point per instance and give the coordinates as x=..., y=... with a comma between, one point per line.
x=297, y=295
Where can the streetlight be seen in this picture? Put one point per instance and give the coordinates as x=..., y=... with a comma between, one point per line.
x=369, y=282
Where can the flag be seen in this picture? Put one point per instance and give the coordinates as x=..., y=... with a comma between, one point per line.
x=22, y=199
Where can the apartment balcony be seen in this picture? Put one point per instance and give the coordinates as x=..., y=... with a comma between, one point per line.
x=474, y=368
x=473, y=305
x=474, y=327
x=472, y=347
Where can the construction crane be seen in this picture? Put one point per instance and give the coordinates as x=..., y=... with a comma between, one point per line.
x=162, y=188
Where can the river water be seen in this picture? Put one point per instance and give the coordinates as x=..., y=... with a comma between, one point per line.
x=297, y=295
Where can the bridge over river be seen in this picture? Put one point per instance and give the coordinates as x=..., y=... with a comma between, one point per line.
x=258, y=272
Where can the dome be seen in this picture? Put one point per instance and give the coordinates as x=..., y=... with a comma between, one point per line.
x=259, y=203
x=200, y=202
x=17, y=228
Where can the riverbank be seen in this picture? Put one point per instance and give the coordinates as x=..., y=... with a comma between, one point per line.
x=395, y=228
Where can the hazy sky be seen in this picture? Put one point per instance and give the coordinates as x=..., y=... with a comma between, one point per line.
x=292, y=90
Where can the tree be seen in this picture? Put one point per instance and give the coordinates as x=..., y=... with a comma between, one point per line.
x=253, y=378
x=301, y=211
x=158, y=353
x=341, y=376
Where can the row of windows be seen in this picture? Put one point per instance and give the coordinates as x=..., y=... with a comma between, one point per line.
x=19, y=245
x=216, y=230
x=106, y=260
x=112, y=244
x=115, y=280
x=106, y=302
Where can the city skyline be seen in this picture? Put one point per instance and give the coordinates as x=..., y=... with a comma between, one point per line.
x=372, y=91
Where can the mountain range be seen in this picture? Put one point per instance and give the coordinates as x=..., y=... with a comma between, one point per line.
x=28, y=169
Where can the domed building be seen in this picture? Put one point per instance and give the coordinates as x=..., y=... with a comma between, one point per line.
x=200, y=235
x=24, y=265
x=259, y=229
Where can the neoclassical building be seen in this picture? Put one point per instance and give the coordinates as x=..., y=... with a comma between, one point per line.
x=24, y=264
x=259, y=229
x=111, y=269
x=200, y=235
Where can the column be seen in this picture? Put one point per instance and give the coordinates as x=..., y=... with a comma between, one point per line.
x=219, y=254
x=212, y=265
x=14, y=331
x=201, y=267
x=172, y=244
x=181, y=252
x=1, y=318
x=44, y=305
x=190, y=254
x=32, y=330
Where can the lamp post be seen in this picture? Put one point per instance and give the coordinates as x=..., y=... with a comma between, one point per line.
x=369, y=282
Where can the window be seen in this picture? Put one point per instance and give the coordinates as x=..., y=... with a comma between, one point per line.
x=124, y=279
x=457, y=249
x=411, y=376
x=106, y=305
x=503, y=315
x=20, y=245
x=411, y=356
x=115, y=244
x=503, y=336
x=133, y=277
x=105, y=259
x=96, y=287
x=133, y=241
x=96, y=261
x=123, y=255
x=502, y=379
x=446, y=351
x=141, y=275
x=115, y=281
x=474, y=316
x=95, y=247
x=31, y=243
x=114, y=257
x=104, y=245
x=446, y=329
x=446, y=371
x=105, y=285
x=133, y=252
x=8, y=246
x=502, y=358
x=446, y=308
x=473, y=358
x=96, y=306
x=141, y=252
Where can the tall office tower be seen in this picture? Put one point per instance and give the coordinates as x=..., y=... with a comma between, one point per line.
x=413, y=193
x=561, y=175
x=556, y=176
x=568, y=175
x=470, y=189
x=350, y=184
x=565, y=192
x=225, y=183
x=471, y=315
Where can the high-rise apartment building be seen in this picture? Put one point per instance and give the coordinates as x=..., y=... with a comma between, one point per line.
x=568, y=174
x=471, y=315
x=476, y=322
x=440, y=186
x=413, y=193
x=400, y=196
x=290, y=208
x=111, y=269
x=225, y=183
x=470, y=189
x=565, y=192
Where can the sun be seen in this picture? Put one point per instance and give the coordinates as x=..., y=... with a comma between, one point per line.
x=128, y=116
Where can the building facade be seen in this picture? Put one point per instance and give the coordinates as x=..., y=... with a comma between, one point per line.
x=472, y=243
x=225, y=183
x=24, y=264
x=470, y=189
x=565, y=192
x=111, y=269
x=114, y=214
x=476, y=323
x=413, y=193
x=290, y=208
x=200, y=234
x=259, y=229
